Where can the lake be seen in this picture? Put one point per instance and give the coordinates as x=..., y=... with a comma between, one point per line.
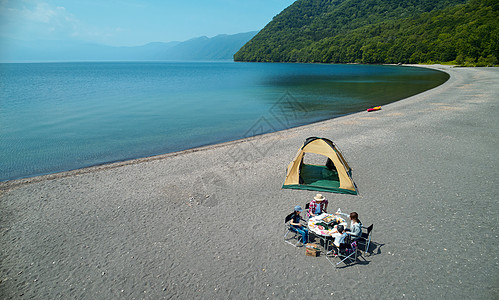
x=62, y=116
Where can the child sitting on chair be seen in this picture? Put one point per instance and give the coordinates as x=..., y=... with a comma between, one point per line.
x=338, y=240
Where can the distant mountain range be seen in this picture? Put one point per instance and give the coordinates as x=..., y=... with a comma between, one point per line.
x=220, y=47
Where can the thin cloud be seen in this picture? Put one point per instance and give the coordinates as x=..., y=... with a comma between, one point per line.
x=131, y=22
x=43, y=13
x=32, y=20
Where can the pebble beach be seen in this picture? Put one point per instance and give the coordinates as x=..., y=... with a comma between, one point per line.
x=208, y=223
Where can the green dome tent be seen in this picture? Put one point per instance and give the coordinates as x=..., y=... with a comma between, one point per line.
x=334, y=176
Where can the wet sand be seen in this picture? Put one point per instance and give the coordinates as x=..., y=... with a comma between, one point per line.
x=208, y=223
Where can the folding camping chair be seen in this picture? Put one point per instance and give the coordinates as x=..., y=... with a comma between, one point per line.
x=289, y=230
x=346, y=253
x=307, y=207
x=365, y=238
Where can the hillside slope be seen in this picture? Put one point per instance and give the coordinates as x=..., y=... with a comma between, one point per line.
x=379, y=31
x=220, y=47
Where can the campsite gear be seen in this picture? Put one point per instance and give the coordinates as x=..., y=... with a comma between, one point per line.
x=324, y=224
x=365, y=238
x=374, y=108
x=347, y=253
x=312, y=250
x=325, y=232
x=334, y=177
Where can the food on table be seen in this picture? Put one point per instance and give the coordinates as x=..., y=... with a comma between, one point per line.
x=328, y=219
x=333, y=219
x=322, y=227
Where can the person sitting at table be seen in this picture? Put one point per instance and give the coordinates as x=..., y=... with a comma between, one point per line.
x=298, y=226
x=317, y=206
x=355, y=227
x=340, y=239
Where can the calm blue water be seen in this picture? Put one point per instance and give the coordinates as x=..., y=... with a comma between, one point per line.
x=61, y=116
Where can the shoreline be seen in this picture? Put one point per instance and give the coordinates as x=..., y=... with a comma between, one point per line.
x=9, y=184
x=5, y=185
x=208, y=224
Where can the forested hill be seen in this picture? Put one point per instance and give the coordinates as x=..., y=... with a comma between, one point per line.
x=380, y=31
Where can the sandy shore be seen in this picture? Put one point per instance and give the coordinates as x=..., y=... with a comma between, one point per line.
x=209, y=224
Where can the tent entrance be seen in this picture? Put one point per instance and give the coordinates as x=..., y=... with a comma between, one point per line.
x=319, y=176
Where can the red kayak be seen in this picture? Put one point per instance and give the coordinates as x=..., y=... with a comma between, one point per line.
x=374, y=108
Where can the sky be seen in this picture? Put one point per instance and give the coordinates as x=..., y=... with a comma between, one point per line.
x=132, y=22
